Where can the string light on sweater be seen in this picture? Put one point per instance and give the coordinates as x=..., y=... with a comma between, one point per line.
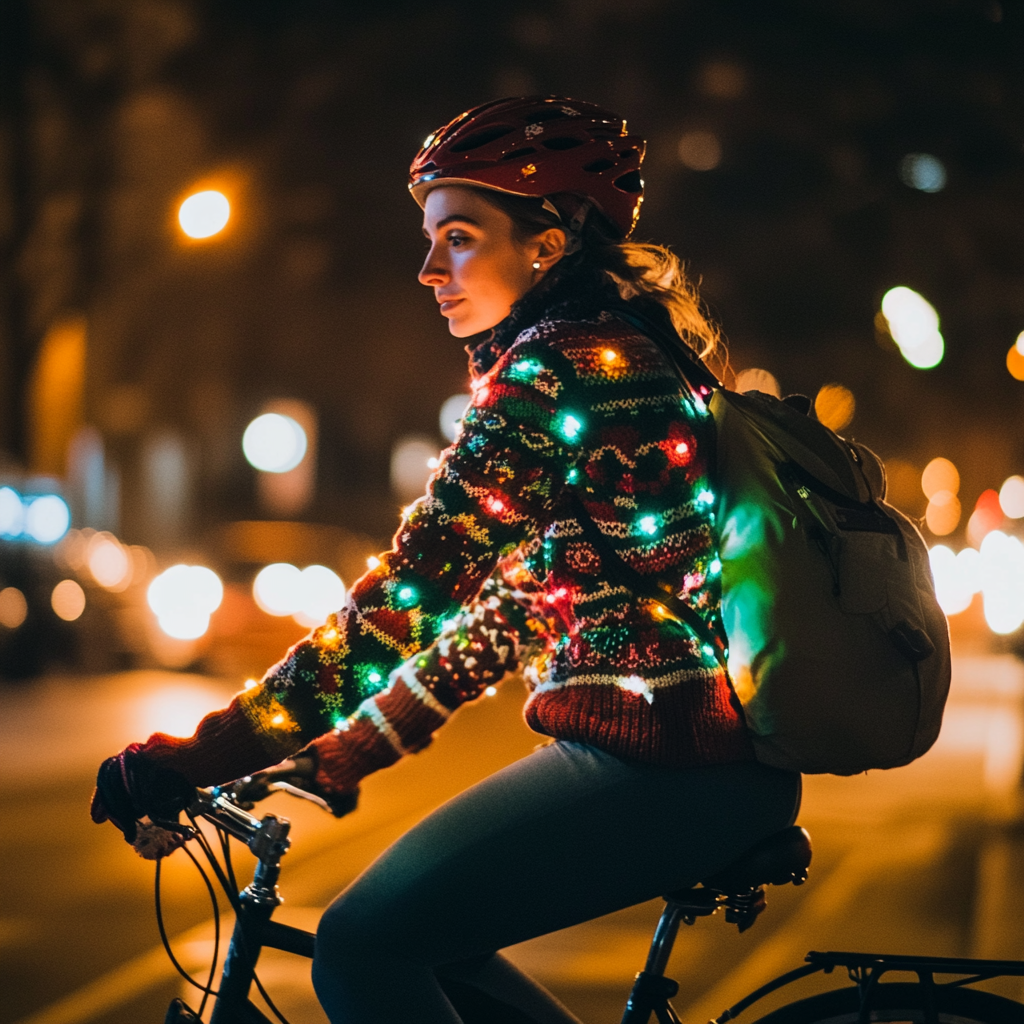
x=612, y=439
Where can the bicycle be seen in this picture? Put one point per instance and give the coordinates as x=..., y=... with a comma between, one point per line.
x=738, y=890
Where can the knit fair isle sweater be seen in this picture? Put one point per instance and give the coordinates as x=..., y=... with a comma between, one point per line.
x=574, y=411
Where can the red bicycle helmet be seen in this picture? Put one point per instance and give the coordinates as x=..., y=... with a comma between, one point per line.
x=538, y=146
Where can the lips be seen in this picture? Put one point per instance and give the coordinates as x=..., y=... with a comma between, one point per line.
x=448, y=305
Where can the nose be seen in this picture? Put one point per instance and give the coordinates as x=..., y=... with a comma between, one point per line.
x=433, y=272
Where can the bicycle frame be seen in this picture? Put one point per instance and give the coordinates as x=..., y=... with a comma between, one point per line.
x=267, y=839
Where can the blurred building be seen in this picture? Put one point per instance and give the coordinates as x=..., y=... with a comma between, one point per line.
x=805, y=158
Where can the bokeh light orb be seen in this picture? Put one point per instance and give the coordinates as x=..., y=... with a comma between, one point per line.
x=277, y=588
x=411, y=465
x=923, y=171
x=321, y=592
x=940, y=475
x=700, y=151
x=67, y=600
x=13, y=607
x=834, y=405
x=108, y=561
x=943, y=513
x=1015, y=360
x=914, y=326
x=183, y=598
x=451, y=415
x=1011, y=497
x=12, y=513
x=756, y=379
x=273, y=443
x=1002, y=573
x=47, y=518
x=204, y=214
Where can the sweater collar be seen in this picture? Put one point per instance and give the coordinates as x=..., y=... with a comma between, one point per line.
x=569, y=293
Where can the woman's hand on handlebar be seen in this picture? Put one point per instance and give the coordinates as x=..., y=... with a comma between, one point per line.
x=300, y=772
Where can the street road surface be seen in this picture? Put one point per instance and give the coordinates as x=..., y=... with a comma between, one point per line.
x=922, y=859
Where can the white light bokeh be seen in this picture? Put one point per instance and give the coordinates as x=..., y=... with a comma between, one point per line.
x=47, y=518
x=1011, y=497
x=183, y=598
x=308, y=596
x=321, y=593
x=12, y=513
x=204, y=214
x=914, y=326
x=953, y=589
x=273, y=443
x=452, y=412
x=1002, y=575
x=277, y=588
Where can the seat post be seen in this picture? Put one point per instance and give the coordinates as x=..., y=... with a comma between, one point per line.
x=663, y=940
x=652, y=990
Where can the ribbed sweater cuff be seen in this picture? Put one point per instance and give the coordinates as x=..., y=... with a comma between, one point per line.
x=223, y=748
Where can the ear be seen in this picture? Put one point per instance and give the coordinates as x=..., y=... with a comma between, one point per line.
x=548, y=248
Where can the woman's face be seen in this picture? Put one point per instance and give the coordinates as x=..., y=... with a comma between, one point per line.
x=476, y=265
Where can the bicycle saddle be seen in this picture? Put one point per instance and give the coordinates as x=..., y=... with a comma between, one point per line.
x=781, y=858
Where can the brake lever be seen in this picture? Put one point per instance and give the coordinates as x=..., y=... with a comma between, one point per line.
x=302, y=794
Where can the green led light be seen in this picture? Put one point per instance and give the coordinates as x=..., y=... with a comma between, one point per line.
x=706, y=497
x=571, y=427
x=648, y=525
x=715, y=567
x=374, y=677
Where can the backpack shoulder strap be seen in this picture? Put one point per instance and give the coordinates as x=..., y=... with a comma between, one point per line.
x=686, y=362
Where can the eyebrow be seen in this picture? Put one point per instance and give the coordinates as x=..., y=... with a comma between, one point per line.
x=453, y=217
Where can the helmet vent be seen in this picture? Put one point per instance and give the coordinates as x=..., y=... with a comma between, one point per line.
x=629, y=182
x=481, y=138
x=546, y=115
x=562, y=142
x=428, y=167
x=597, y=166
x=516, y=153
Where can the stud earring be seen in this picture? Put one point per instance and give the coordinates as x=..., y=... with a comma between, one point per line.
x=536, y=264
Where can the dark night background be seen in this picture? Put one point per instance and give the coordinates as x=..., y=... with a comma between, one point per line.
x=312, y=110
x=132, y=359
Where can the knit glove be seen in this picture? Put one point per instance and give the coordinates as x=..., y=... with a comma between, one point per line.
x=303, y=771
x=130, y=786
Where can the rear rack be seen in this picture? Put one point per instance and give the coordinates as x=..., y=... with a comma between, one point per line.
x=865, y=970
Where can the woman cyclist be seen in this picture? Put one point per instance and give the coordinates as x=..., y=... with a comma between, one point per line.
x=580, y=478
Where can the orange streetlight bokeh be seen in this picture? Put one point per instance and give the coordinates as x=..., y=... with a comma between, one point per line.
x=204, y=214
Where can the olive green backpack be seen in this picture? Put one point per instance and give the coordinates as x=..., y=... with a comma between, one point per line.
x=837, y=647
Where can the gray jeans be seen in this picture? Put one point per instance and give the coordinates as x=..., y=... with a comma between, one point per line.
x=565, y=835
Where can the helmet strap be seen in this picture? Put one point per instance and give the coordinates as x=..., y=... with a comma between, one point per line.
x=574, y=226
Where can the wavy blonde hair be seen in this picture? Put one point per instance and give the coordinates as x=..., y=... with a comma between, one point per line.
x=645, y=270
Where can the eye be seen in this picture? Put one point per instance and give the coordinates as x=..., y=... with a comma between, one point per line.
x=457, y=239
